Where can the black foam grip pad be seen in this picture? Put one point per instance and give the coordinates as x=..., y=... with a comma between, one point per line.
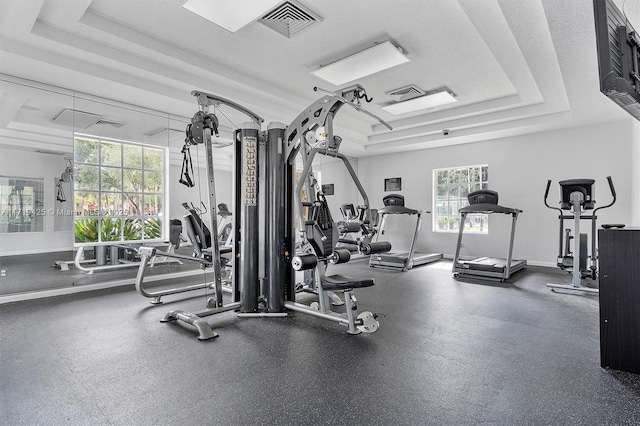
x=377, y=247
x=303, y=262
x=341, y=256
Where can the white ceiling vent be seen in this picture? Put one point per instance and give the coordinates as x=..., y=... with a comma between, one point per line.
x=407, y=92
x=76, y=119
x=290, y=18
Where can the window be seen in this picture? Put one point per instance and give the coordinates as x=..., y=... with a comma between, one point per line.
x=451, y=187
x=119, y=191
x=22, y=205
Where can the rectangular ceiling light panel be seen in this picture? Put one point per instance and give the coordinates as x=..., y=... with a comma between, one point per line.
x=370, y=61
x=230, y=14
x=423, y=102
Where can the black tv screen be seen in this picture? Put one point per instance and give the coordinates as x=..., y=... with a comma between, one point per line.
x=617, y=44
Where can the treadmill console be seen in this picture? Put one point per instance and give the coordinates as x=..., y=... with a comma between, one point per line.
x=393, y=200
x=483, y=196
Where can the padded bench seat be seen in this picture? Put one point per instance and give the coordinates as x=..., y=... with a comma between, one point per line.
x=342, y=282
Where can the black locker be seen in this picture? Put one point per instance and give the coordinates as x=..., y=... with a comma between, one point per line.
x=619, y=261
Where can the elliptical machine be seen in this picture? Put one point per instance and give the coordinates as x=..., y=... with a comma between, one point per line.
x=577, y=196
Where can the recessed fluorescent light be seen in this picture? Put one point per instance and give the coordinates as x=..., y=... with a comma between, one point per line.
x=230, y=14
x=423, y=102
x=370, y=61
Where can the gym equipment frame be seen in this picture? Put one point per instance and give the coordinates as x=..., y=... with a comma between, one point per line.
x=116, y=263
x=577, y=196
x=490, y=268
x=263, y=281
x=202, y=253
x=315, y=127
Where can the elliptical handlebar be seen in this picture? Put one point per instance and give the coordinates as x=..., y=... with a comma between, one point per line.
x=546, y=194
x=613, y=195
x=613, y=190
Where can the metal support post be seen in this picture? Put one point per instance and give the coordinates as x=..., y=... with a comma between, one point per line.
x=247, y=140
x=277, y=254
x=217, y=279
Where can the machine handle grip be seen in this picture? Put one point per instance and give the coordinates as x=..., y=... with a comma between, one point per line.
x=323, y=237
x=546, y=191
x=613, y=194
x=546, y=194
x=613, y=190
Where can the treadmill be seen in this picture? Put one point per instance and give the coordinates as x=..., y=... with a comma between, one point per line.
x=491, y=268
x=394, y=204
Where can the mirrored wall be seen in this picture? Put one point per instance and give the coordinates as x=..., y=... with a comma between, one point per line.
x=81, y=171
x=82, y=177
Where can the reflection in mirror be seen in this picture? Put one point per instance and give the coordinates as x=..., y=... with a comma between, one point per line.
x=112, y=188
x=21, y=204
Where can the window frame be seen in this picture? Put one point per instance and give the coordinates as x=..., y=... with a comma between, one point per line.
x=459, y=200
x=142, y=218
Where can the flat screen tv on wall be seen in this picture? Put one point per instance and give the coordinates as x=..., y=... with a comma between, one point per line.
x=618, y=56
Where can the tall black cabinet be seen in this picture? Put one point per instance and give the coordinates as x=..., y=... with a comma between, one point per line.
x=619, y=262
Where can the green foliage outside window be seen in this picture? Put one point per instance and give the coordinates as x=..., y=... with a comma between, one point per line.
x=86, y=230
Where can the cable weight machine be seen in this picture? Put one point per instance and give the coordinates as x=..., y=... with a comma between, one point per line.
x=266, y=197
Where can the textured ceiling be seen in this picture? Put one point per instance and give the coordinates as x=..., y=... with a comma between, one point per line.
x=516, y=67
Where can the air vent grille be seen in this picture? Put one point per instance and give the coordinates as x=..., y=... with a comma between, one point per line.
x=117, y=124
x=289, y=18
x=406, y=92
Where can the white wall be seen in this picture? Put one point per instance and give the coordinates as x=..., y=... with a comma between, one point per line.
x=30, y=164
x=518, y=169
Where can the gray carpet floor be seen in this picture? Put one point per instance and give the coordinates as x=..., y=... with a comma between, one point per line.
x=448, y=352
